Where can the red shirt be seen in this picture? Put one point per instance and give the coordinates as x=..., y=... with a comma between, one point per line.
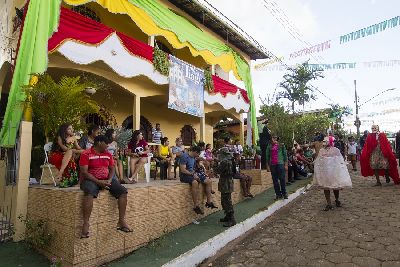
x=139, y=147
x=98, y=163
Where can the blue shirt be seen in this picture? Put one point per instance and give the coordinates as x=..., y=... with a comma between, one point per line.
x=189, y=161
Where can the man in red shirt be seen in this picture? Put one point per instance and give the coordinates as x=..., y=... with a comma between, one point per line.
x=97, y=171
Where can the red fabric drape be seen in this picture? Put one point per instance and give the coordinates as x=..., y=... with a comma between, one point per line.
x=74, y=26
x=370, y=145
x=80, y=28
x=224, y=87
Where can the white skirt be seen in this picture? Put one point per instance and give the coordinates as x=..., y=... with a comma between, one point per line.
x=331, y=173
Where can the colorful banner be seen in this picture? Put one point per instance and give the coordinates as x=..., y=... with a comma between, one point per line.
x=269, y=62
x=340, y=66
x=373, y=29
x=186, y=87
x=311, y=50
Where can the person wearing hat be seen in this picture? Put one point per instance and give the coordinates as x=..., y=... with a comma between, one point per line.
x=225, y=185
x=277, y=159
x=330, y=173
x=377, y=158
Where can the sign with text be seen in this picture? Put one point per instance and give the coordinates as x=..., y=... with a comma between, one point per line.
x=186, y=87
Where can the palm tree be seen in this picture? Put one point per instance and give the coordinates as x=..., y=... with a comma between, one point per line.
x=296, y=84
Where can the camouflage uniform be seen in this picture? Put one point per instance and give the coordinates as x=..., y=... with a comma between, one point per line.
x=225, y=185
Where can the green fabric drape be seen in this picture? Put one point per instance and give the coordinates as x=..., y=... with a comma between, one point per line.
x=188, y=32
x=40, y=22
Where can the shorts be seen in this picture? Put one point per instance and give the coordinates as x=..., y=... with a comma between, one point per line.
x=189, y=179
x=91, y=188
x=351, y=157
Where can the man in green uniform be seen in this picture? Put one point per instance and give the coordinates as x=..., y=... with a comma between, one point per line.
x=225, y=185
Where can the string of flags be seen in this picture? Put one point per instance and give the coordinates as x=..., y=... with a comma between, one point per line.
x=340, y=66
x=343, y=39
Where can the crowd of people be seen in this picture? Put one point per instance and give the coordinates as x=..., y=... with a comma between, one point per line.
x=101, y=166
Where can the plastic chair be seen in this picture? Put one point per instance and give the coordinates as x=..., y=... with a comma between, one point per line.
x=146, y=167
x=47, y=149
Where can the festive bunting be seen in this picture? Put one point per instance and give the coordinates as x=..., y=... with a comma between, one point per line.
x=373, y=29
x=269, y=62
x=340, y=66
x=311, y=50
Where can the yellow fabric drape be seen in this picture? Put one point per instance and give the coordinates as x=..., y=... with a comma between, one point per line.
x=146, y=24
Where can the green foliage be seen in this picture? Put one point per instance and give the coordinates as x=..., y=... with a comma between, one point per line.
x=305, y=126
x=337, y=112
x=37, y=234
x=280, y=122
x=295, y=84
x=160, y=61
x=208, y=82
x=57, y=103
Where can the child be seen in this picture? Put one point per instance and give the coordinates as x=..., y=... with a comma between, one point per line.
x=352, y=152
x=113, y=148
x=200, y=171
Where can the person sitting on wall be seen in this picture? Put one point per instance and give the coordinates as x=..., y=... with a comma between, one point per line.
x=97, y=171
x=177, y=152
x=187, y=174
x=113, y=150
x=87, y=141
x=303, y=161
x=138, y=150
x=165, y=159
x=64, y=152
x=245, y=180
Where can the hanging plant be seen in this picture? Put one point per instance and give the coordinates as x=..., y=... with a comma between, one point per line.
x=160, y=61
x=208, y=82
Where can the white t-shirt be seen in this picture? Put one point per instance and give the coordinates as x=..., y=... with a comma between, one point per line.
x=352, y=148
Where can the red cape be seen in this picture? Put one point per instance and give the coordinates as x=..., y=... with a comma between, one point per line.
x=370, y=145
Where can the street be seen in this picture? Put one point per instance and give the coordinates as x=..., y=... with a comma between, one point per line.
x=364, y=232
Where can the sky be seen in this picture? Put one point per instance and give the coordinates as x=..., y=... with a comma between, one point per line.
x=318, y=21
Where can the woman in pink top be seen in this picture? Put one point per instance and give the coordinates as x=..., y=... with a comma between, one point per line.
x=138, y=151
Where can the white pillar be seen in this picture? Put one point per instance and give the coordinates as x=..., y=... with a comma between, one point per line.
x=151, y=40
x=241, y=135
x=136, y=113
x=203, y=128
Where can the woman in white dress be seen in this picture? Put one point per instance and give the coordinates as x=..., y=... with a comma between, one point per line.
x=330, y=173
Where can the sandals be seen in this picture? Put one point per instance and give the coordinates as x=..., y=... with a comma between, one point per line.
x=211, y=205
x=328, y=207
x=124, y=229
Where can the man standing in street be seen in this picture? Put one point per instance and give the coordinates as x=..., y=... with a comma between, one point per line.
x=265, y=138
x=277, y=160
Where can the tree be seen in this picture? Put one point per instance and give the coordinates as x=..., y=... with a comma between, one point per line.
x=280, y=122
x=337, y=112
x=296, y=84
x=64, y=102
x=308, y=124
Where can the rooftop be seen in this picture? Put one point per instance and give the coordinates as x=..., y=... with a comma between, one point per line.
x=221, y=25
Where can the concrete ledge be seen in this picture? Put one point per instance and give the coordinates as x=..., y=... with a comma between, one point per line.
x=213, y=245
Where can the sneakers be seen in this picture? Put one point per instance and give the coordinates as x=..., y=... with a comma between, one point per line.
x=285, y=196
x=278, y=197
x=211, y=205
x=198, y=210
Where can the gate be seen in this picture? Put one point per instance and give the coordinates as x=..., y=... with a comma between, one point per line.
x=9, y=160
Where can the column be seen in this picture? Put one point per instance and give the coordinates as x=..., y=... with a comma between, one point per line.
x=136, y=113
x=241, y=135
x=20, y=197
x=203, y=128
x=151, y=40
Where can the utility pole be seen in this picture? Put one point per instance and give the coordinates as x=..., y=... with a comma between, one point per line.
x=357, y=122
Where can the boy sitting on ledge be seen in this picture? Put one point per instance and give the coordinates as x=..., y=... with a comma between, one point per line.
x=97, y=171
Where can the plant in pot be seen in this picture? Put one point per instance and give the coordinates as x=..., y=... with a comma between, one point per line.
x=55, y=103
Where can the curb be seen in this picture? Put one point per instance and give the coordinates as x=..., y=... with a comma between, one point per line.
x=210, y=247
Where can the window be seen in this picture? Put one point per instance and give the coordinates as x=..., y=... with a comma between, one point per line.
x=188, y=135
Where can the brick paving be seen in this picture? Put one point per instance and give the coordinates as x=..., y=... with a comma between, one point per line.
x=364, y=232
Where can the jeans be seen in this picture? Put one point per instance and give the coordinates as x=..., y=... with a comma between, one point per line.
x=278, y=177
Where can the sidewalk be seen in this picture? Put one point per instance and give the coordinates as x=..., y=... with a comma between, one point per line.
x=164, y=249
x=364, y=232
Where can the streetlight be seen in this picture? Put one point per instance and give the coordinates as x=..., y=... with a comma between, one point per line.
x=357, y=122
